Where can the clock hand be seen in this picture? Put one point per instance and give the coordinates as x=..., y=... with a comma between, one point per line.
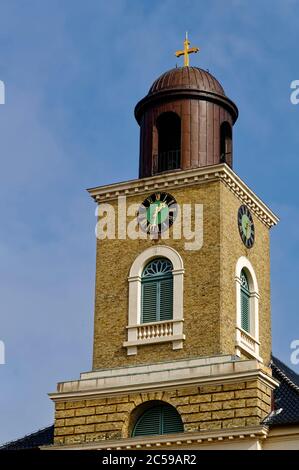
x=248, y=225
x=156, y=212
x=155, y=215
x=161, y=206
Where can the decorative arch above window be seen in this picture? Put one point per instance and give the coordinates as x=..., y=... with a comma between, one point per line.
x=247, y=302
x=157, y=267
x=155, y=299
x=157, y=420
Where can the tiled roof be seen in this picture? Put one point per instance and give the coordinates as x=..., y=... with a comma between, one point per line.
x=286, y=396
x=32, y=441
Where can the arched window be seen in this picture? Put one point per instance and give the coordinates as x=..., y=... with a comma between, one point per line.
x=156, y=299
x=169, y=141
x=160, y=419
x=157, y=291
x=226, y=143
x=245, y=302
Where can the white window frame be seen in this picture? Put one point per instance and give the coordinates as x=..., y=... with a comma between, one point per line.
x=247, y=342
x=158, y=332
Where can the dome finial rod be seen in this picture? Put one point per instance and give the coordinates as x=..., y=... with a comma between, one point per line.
x=187, y=50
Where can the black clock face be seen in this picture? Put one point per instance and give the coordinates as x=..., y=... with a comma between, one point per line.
x=157, y=212
x=246, y=226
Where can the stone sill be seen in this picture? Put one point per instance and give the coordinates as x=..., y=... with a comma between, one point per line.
x=138, y=325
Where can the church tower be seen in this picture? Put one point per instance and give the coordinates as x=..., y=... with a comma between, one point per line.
x=182, y=324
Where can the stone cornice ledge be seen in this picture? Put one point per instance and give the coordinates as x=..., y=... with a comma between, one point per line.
x=161, y=380
x=185, y=178
x=182, y=440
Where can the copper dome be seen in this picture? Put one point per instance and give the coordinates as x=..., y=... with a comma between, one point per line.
x=186, y=78
x=185, y=83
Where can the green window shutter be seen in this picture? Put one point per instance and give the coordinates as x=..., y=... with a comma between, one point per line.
x=245, y=302
x=171, y=421
x=166, y=299
x=161, y=419
x=157, y=291
x=149, y=423
x=149, y=301
x=245, y=310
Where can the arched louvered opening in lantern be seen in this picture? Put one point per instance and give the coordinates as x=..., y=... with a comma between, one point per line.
x=226, y=143
x=169, y=141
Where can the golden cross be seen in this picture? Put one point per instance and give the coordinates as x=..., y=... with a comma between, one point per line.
x=186, y=51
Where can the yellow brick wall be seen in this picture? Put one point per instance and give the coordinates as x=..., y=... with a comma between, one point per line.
x=209, y=284
x=202, y=408
x=201, y=289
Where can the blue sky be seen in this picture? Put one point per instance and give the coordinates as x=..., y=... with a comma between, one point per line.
x=73, y=72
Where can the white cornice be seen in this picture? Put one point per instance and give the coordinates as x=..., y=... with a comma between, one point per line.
x=181, y=440
x=183, y=178
x=132, y=381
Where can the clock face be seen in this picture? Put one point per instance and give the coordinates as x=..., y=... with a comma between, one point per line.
x=157, y=213
x=246, y=226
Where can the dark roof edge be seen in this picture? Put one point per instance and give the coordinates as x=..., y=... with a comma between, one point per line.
x=283, y=375
x=27, y=436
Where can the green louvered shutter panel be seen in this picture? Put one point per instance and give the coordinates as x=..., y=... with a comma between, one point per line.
x=149, y=302
x=166, y=299
x=171, y=421
x=245, y=310
x=149, y=423
x=158, y=420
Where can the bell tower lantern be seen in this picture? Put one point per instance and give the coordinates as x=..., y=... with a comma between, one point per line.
x=186, y=122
